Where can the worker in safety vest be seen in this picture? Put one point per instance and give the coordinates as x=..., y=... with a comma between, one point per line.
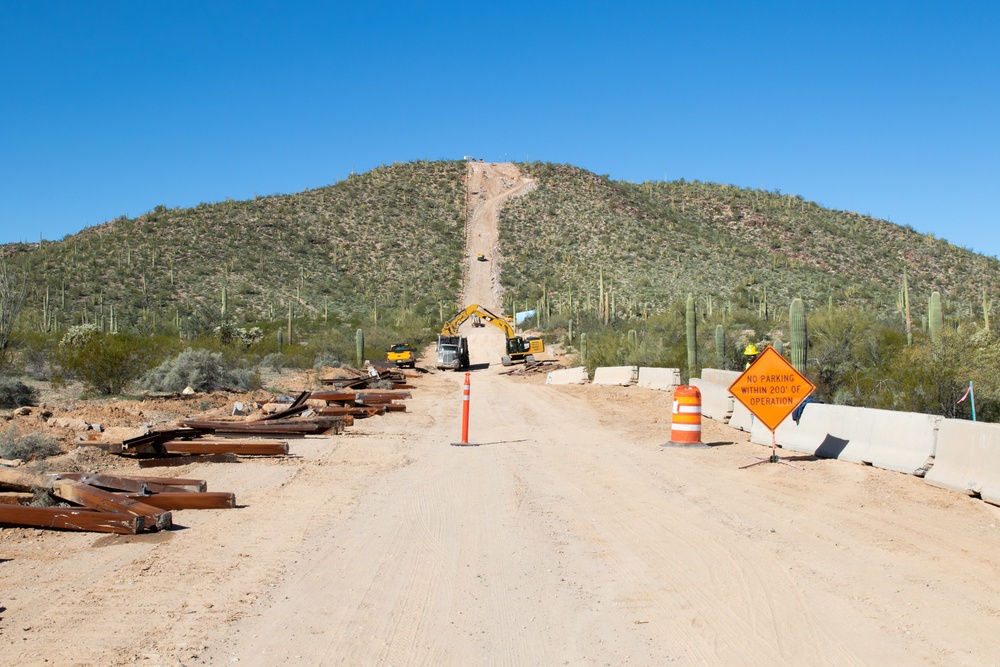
x=750, y=353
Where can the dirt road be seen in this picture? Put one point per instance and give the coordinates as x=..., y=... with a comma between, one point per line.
x=566, y=535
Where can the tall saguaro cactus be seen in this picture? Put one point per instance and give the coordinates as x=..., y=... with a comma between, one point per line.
x=935, y=320
x=799, y=343
x=583, y=349
x=359, y=344
x=692, y=346
x=720, y=346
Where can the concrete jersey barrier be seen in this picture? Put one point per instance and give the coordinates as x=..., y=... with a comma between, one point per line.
x=742, y=418
x=659, y=378
x=577, y=375
x=900, y=441
x=968, y=459
x=827, y=431
x=718, y=376
x=716, y=401
x=616, y=375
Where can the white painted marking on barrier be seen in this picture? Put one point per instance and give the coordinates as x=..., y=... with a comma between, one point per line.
x=686, y=427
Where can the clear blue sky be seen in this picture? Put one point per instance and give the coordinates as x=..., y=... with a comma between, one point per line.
x=111, y=108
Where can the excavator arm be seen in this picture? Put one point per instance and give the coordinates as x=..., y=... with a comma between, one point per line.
x=450, y=327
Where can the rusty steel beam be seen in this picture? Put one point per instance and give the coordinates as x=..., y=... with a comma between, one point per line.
x=299, y=405
x=152, y=443
x=105, y=501
x=169, y=461
x=20, y=480
x=71, y=518
x=110, y=482
x=303, y=425
x=15, y=497
x=356, y=410
x=185, y=500
x=134, y=484
x=381, y=396
x=334, y=396
x=242, y=448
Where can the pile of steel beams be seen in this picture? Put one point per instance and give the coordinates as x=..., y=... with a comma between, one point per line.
x=376, y=375
x=101, y=502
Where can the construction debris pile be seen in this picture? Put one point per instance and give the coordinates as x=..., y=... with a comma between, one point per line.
x=99, y=502
x=223, y=439
x=116, y=503
x=376, y=375
x=535, y=367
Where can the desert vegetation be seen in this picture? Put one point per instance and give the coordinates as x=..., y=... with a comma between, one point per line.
x=897, y=319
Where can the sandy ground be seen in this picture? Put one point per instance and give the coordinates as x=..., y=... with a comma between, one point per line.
x=564, y=535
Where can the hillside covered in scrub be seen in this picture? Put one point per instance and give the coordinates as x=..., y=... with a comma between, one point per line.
x=393, y=238
x=654, y=242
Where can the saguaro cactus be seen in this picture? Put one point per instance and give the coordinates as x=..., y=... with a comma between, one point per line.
x=720, y=346
x=797, y=321
x=934, y=318
x=778, y=346
x=692, y=346
x=583, y=349
x=359, y=344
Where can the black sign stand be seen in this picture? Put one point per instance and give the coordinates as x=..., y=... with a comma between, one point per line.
x=773, y=458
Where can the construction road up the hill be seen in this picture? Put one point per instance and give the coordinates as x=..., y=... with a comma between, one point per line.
x=488, y=185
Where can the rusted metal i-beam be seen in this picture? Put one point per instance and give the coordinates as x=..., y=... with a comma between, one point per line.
x=185, y=500
x=105, y=501
x=71, y=518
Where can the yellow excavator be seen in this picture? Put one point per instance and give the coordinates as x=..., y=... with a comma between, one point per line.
x=519, y=348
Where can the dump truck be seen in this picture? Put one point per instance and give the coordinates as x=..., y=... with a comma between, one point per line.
x=519, y=348
x=402, y=355
x=452, y=352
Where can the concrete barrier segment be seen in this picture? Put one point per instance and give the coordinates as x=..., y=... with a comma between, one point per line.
x=616, y=375
x=826, y=431
x=716, y=401
x=900, y=441
x=719, y=376
x=659, y=378
x=577, y=375
x=967, y=459
x=742, y=418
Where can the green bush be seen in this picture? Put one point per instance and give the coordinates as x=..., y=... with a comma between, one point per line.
x=202, y=370
x=107, y=363
x=14, y=393
x=13, y=445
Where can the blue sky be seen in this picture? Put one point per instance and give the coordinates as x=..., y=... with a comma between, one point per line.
x=886, y=108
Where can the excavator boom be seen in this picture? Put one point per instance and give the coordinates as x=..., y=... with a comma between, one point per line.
x=450, y=327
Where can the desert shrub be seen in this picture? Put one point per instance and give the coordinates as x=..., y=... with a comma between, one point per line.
x=107, y=363
x=14, y=393
x=30, y=446
x=275, y=361
x=327, y=359
x=202, y=370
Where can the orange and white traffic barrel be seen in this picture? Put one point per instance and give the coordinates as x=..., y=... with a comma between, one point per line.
x=685, y=428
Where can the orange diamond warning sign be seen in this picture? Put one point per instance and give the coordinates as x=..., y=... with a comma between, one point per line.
x=771, y=388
